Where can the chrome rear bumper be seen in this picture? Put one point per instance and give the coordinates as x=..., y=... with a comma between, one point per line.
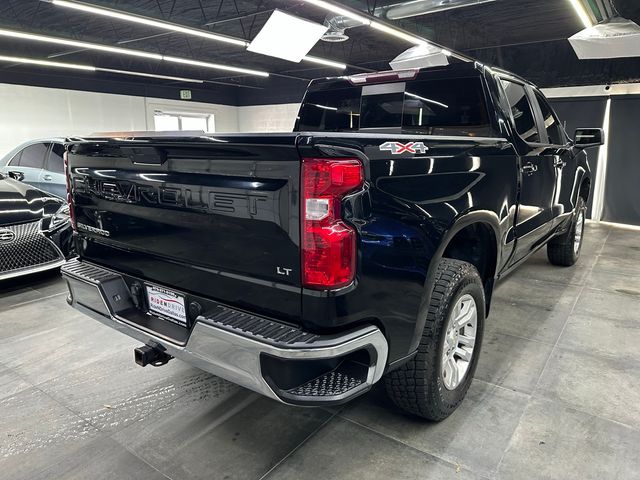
x=246, y=349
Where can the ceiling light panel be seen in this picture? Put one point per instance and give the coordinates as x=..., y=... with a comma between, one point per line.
x=287, y=37
x=107, y=12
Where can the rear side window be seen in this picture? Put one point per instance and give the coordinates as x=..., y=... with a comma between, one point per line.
x=454, y=106
x=33, y=156
x=522, y=112
x=15, y=161
x=431, y=107
x=55, y=163
x=554, y=130
x=331, y=111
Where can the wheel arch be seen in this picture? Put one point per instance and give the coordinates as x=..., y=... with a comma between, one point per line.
x=485, y=222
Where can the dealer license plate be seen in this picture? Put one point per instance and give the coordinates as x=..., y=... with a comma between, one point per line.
x=166, y=303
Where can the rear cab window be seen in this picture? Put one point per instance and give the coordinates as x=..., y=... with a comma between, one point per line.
x=443, y=106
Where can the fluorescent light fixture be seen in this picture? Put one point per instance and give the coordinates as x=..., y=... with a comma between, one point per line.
x=216, y=66
x=322, y=61
x=46, y=63
x=601, y=172
x=126, y=51
x=339, y=11
x=149, y=75
x=75, y=43
x=89, y=68
x=107, y=12
x=287, y=37
x=398, y=33
x=582, y=13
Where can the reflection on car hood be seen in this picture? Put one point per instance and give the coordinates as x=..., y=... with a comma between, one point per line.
x=21, y=203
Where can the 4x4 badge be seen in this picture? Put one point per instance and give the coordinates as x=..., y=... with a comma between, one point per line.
x=396, y=148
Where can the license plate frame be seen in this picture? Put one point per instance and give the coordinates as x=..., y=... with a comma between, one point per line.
x=166, y=303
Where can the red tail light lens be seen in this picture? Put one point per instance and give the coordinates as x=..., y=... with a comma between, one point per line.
x=328, y=243
x=67, y=177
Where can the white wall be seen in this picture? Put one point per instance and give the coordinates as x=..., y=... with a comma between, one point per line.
x=28, y=113
x=267, y=118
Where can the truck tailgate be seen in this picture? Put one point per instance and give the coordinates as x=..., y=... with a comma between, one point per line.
x=216, y=217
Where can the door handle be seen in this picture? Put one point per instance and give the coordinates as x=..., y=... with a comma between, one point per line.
x=47, y=178
x=529, y=168
x=559, y=163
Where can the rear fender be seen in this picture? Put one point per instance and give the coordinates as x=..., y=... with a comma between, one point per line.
x=481, y=216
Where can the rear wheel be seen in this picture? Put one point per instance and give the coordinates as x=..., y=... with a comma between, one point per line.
x=564, y=250
x=436, y=380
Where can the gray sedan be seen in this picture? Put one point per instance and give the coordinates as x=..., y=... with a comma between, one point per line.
x=38, y=163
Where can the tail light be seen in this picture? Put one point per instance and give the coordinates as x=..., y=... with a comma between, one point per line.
x=328, y=243
x=67, y=177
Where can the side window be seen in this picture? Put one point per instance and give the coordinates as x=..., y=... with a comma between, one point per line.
x=554, y=131
x=15, y=161
x=33, y=155
x=336, y=110
x=454, y=106
x=56, y=163
x=521, y=111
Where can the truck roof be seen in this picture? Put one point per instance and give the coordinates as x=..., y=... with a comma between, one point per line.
x=458, y=69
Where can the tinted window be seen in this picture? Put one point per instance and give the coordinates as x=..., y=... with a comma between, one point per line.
x=331, y=111
x=56, y=163
x=521, y=111
x=436, y=107
x=454, y=106
x=33, y=156
x=15, y=161
x=381, y=110
x=554, y=130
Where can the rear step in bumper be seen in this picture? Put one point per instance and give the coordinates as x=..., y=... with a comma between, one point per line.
x=271, y=358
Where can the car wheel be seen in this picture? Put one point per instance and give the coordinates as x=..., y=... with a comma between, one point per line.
x=564, y=250
x=435, y=381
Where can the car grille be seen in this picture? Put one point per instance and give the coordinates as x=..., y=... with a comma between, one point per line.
x=25, y=248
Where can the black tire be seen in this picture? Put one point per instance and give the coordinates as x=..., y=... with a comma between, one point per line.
x=561, y=250
x=417, y=387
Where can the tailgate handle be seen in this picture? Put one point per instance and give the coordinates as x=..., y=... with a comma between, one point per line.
x=145, y=155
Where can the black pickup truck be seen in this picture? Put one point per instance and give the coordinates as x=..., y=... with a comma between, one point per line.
x=308, y=266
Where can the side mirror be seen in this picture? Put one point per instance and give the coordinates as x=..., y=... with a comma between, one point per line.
x=589, y=137
x=19, y=176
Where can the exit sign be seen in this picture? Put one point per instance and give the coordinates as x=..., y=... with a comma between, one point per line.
x=185, y=94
